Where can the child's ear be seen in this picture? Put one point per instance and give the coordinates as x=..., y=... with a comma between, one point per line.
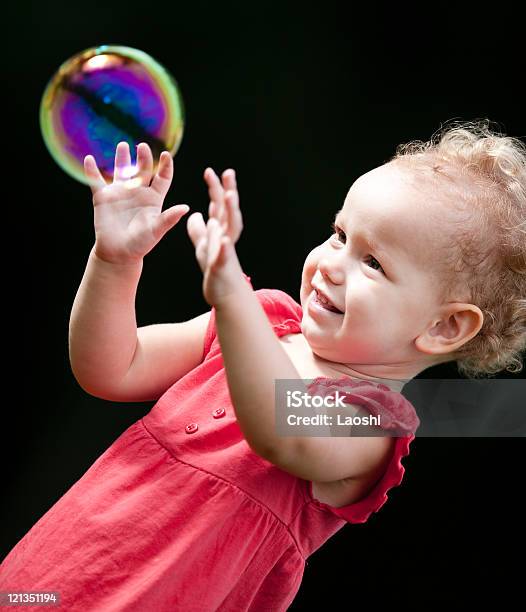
x=458, y=324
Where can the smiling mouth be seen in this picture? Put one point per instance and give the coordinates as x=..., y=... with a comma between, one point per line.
x=317, y=300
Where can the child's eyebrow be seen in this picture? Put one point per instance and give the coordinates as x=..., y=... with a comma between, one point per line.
x=369, y=240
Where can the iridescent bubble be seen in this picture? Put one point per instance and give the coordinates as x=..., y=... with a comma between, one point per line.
x=105, y=95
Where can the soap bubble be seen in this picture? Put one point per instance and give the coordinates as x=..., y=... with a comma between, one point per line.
x=105, y=95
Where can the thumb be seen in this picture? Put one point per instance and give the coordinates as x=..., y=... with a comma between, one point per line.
x=169, y=218
x=196, y=228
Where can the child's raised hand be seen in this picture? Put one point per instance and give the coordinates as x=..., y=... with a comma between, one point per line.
x=214, y=242
x=127, y=212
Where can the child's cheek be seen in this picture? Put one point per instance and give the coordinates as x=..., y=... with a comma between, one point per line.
x=311, y=262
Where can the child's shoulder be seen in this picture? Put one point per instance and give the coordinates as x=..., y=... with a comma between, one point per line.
x=276, y=301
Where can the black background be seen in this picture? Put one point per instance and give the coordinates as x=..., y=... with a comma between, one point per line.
x=300, y=101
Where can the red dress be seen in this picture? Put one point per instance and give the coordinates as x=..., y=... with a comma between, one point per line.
x=180, y=514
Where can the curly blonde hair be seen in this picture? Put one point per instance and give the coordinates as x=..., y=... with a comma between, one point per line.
x=483, y=173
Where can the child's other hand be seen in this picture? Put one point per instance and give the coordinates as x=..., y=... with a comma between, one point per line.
x=127, y=212
x=214, y=242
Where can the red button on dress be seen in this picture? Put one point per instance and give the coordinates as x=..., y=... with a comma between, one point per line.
x=218, y=413
x=191, y=428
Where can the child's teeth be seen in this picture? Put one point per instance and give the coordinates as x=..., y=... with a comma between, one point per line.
x=324, y=301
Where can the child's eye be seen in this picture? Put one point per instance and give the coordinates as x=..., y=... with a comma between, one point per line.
x=373, y=259
x=340, y=233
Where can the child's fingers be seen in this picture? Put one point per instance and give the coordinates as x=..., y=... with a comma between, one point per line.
x=229, y=179
x=163, y=177
x=91, y=170
x=233, y=214
x=122, y=166
x=218, y=245
x=228, y=214
x=196, y=228
x=235, y=219
x=216, y=193
x=215, y=189
x=144, y=163
x=169, y=218
x=212, y=207
x=214, y=235
x=197, y=231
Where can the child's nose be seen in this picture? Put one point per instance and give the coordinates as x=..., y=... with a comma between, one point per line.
x=331, y=270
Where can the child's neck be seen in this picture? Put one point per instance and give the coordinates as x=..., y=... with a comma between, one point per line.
x=344, y=370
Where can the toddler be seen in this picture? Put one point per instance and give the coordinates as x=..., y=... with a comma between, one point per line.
x=201, y=505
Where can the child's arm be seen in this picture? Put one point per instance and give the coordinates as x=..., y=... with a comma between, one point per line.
x=254, y=359
x=252, y=367
x=109, y=357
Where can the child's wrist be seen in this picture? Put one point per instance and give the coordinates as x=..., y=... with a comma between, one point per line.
x=235, y=295
x=114, y=264
x=132, y=269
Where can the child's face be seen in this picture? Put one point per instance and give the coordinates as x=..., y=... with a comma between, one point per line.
x=383, y=312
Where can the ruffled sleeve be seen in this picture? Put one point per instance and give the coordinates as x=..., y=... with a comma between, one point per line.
x=281, y=309
x=397, y=415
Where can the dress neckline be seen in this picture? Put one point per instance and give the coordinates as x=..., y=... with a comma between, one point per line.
x=288, y=326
